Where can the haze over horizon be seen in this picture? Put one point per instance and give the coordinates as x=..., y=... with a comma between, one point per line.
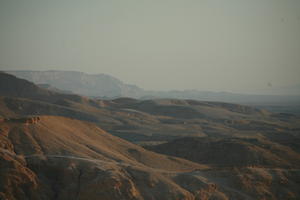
x=241, y=46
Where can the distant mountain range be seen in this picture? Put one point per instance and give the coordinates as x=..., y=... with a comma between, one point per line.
x=106, y=86
x=81, y=83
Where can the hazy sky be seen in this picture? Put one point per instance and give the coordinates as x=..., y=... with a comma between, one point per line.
x=229, y=45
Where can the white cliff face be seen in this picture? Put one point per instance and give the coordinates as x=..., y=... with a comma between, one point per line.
x=81, y=83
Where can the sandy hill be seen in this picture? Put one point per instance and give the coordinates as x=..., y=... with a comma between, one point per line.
x=59, y=158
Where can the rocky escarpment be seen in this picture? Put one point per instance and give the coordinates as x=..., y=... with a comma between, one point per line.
x=23, y=120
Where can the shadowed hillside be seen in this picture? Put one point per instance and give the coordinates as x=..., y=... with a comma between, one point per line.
x=232, y=152
x=14, y=87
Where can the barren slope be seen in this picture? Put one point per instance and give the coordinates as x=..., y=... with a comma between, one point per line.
x=41, y=156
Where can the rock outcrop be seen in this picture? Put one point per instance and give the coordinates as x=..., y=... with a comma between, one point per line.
x=24, y=120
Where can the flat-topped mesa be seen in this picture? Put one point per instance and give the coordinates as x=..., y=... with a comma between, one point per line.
x=24, y=120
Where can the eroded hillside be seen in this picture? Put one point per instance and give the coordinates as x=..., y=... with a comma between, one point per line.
x=59, y=146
